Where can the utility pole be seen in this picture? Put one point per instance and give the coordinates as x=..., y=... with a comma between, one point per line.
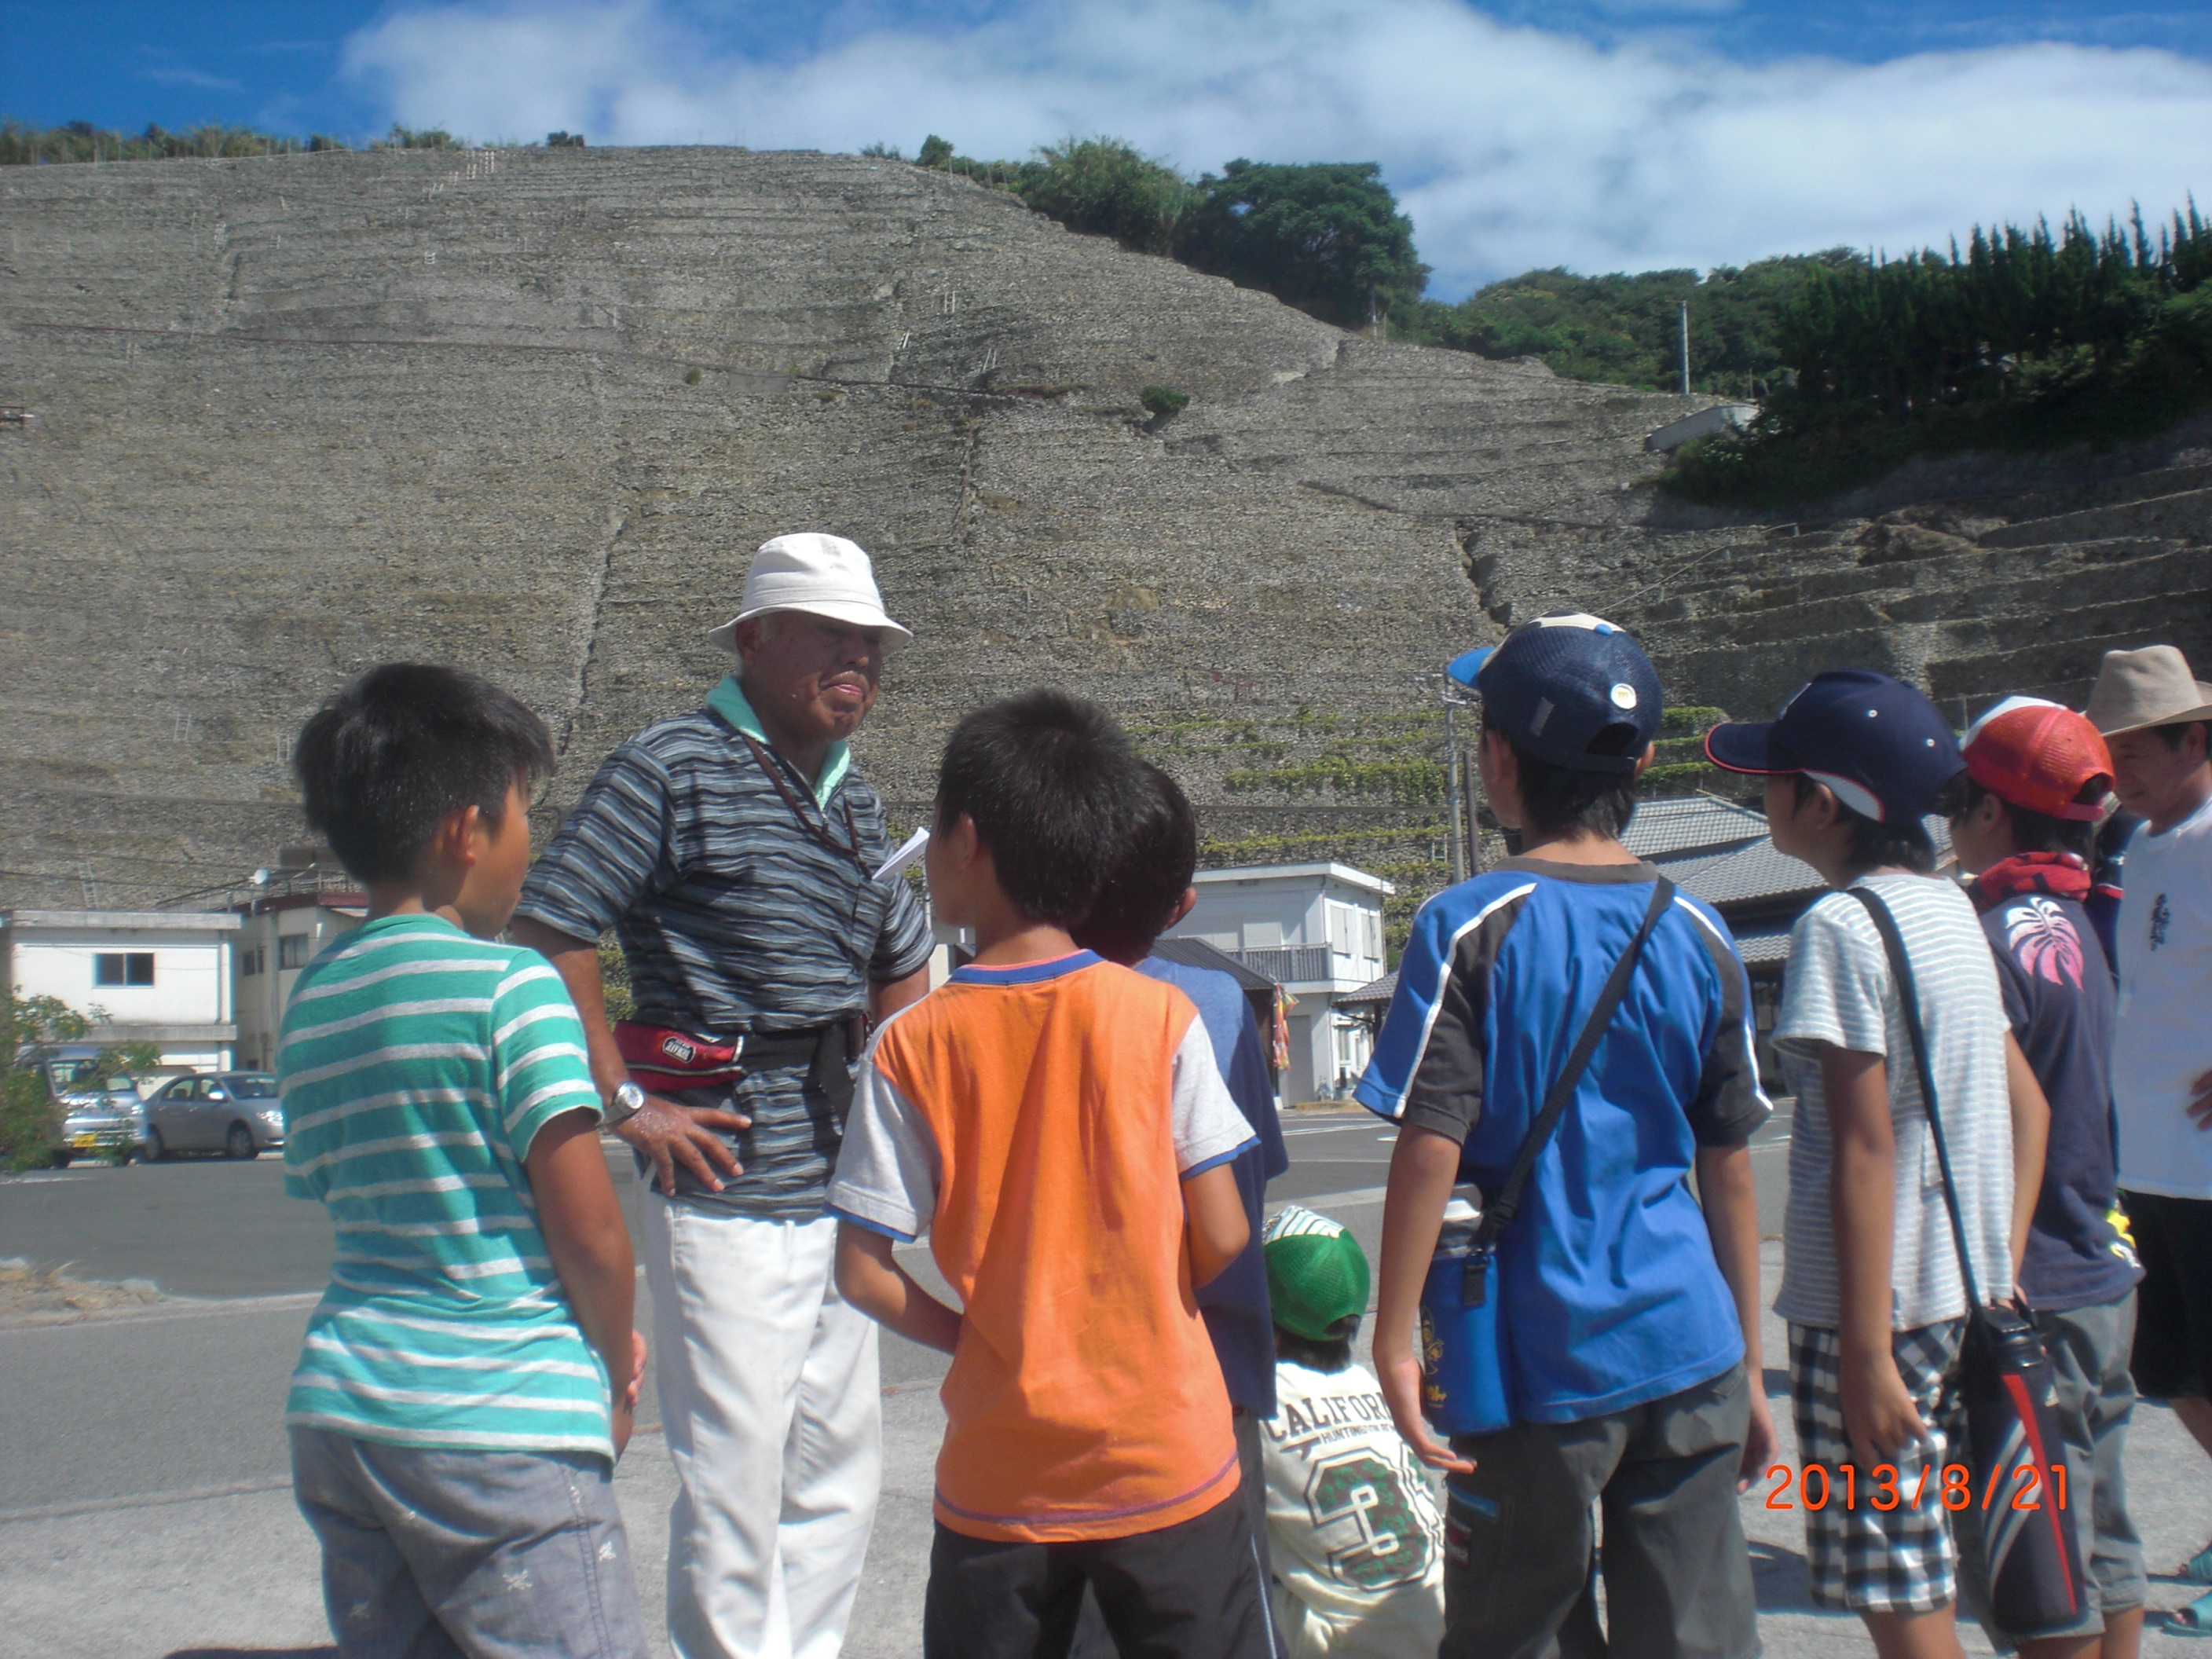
x=1451, y=786
x=1374, y=315
x=1686, y=348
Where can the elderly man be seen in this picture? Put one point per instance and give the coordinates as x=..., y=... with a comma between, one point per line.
x=733, y=850
x=2156, y=717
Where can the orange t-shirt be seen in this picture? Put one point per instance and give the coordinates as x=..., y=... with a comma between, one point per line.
x=1040, y=1121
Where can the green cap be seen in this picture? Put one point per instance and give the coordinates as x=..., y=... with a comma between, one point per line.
x=1317, y=1274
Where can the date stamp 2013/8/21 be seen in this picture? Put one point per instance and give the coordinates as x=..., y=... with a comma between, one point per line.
x=1954, y=1487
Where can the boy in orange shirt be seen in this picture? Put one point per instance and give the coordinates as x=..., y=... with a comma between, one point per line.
x=1059, y=1126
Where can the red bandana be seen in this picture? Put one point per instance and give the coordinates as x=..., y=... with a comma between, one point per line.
x=2063, y=875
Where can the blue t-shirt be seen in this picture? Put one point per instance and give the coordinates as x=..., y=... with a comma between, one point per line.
x=1235, y=1305
x=1611, y=1294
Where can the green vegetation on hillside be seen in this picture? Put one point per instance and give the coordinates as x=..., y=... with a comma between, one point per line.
x=80, y=141
x=2027, y=340
x=23, y=145
x=1626, y=330
x=1327, y=237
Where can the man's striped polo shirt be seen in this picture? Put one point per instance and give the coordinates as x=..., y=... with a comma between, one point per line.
x=417, y=1065
x=745, y=903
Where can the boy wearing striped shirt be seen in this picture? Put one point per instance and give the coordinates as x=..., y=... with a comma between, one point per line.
x=453, y=1429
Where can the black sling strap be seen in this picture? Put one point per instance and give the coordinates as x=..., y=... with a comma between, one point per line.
x=1500, y=1208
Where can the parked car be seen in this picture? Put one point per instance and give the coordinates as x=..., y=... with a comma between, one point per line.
x=94, y=1119
x=236, y=1113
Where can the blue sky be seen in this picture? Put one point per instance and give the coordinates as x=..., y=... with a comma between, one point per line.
x=1599, y=134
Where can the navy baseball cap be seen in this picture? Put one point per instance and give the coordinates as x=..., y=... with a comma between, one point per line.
x=1884, y=749
x=1556, y=684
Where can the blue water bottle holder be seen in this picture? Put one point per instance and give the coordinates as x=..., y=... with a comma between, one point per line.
x=1464, y=1364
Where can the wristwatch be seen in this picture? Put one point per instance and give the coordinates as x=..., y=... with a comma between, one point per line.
x=625, y=1104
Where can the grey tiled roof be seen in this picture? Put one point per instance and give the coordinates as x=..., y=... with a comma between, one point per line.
x=1684, y=824
x=1763, y=944
x=1758, y=872
x=1378, y=990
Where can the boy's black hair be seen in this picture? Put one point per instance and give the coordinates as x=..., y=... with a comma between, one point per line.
x=1559, y=803
x=1135, y=901
x=382, y=763
x=1906, y=845
x=2038, y=832
x=1053, y=788
x=1333, y=1355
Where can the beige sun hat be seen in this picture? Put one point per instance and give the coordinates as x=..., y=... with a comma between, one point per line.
x=825, y=575
x=2150, y=687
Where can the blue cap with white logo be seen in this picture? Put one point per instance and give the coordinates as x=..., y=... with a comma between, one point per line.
x=1884, y=750
x=1573, y=690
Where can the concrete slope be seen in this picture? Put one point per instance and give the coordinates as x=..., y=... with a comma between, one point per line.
x=531, y=411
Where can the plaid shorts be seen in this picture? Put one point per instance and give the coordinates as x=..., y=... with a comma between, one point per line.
x=1880, y=1541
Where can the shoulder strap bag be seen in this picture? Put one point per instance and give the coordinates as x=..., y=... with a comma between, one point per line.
x=1464, y=1390
x=2018, y=1500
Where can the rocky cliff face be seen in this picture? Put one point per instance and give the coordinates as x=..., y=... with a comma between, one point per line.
x=530, y=411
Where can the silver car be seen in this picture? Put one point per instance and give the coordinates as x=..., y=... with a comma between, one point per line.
x=236, y=1113
x=98, y=1120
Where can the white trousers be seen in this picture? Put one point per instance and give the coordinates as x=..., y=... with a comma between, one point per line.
x=773, y=1411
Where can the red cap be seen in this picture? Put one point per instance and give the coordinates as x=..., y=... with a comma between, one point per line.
x=2041, y=757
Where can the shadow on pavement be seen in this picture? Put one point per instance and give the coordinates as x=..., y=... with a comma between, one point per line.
x=1782, y=1580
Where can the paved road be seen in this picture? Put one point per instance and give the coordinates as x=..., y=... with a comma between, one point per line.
x=144, y=1501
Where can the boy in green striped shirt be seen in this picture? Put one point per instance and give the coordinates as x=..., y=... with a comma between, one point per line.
x=454, y=1428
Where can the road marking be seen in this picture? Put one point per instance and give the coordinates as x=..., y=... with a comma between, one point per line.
x=149, y=1500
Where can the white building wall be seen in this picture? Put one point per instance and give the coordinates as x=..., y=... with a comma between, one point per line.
x=1286, y=907
x=187, y=1013
x=263, y=994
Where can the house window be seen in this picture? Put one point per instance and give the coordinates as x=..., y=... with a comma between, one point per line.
x=292, y=950
x=122, y=968
x=251, y=961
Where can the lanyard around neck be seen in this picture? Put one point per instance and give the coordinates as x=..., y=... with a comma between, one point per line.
x=817, y=830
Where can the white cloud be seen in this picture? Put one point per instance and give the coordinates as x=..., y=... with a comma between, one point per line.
x=1510, y=147
x=191, y=77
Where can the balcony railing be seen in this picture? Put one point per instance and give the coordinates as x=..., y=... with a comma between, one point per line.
x=1290, y=963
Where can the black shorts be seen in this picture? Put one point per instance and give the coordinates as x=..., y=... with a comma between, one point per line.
x=1188, y=1591
x=2172, y=1355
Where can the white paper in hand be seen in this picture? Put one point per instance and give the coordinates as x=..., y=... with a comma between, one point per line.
x=908, y=851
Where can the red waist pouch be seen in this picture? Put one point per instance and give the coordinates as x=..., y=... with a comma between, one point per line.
x=664, y=1062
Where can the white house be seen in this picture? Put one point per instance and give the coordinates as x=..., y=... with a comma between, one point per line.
x=160, y=977
x=1316, y=929
x=282, y=930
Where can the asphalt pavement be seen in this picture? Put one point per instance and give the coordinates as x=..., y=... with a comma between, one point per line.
x=145, y=1507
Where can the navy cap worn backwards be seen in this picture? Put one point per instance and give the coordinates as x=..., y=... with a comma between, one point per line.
x=1555, y=685
x=1882, y=747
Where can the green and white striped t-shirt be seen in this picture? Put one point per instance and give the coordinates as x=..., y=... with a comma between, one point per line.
x=416, y=1064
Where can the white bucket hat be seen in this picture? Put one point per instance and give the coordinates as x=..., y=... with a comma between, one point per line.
x=824, y=576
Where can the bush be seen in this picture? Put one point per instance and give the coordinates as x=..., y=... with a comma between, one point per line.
x=1327, y=238
x=1164, y=400
x=1104, y=187
x=419, y=138
x=30, y=1116
x=564, y=141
